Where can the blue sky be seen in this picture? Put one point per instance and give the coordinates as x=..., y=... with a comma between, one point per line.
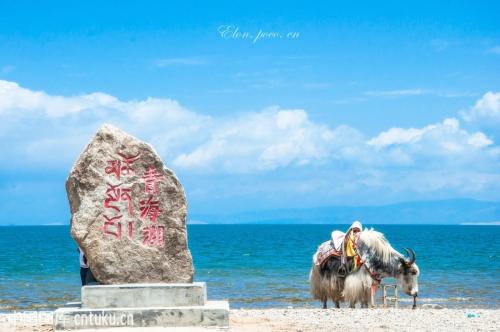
x=334, y=104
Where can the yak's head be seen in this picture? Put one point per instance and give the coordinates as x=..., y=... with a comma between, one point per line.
x=408, y=273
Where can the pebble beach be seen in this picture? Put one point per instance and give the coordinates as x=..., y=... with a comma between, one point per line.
x=305, y=320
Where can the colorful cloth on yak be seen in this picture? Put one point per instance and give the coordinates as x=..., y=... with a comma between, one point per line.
x=350, y=247
x=338, y=239
x=325, y=250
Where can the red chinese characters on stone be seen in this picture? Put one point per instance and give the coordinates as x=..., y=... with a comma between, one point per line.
x=116, y=229
x=151, y=178
x=149, y=209
x=149, y=206
x=128, y=160
x=154, y=236
x=130, y=230
x=115, y=194
x=119, y=167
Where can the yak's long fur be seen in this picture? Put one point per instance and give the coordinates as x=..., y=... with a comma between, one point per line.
x=325, y=284
x=377, y=241
x=357, y=288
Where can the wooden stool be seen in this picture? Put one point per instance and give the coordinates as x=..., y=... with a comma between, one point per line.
x=385, y=298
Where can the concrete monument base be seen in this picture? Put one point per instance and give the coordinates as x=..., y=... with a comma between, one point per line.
x=143, y=305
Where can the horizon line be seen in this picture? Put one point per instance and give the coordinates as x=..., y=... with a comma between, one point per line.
x=493, y=223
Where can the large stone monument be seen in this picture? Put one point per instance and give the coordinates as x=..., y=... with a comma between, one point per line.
x=128, y=214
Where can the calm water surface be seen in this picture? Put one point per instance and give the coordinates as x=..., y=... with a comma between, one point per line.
x=260, y=265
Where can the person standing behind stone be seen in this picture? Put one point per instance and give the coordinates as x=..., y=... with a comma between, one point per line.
x=84, y=266
x=85, y=272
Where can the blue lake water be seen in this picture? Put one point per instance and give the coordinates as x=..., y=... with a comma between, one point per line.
x=256, y=266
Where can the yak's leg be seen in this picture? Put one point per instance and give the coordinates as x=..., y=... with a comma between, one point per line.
x=373, y=292
x=337, y=304
x=352, y=304
x=324, y=304
x=366, y=298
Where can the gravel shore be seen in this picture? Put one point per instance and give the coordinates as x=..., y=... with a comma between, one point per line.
x=365, y=319
x=264, y=320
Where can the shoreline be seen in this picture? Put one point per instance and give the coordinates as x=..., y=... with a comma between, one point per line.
x=306, y=320
x=452, y=303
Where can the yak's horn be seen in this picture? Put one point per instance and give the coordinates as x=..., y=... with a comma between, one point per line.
x=411, y=255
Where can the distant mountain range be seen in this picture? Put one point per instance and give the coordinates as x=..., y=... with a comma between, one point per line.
x=444, y=212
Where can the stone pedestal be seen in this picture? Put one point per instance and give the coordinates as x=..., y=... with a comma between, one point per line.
x=143, y=305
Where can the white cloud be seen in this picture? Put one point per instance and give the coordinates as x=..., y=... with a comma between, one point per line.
x=438, y=146
x=396, y=136
x=264, y=140
x=446, y=134
x=14, y=98
x=486, y=109
x=50, y=130
x=45, y=131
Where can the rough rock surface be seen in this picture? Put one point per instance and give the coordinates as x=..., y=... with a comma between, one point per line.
x=128, y=212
